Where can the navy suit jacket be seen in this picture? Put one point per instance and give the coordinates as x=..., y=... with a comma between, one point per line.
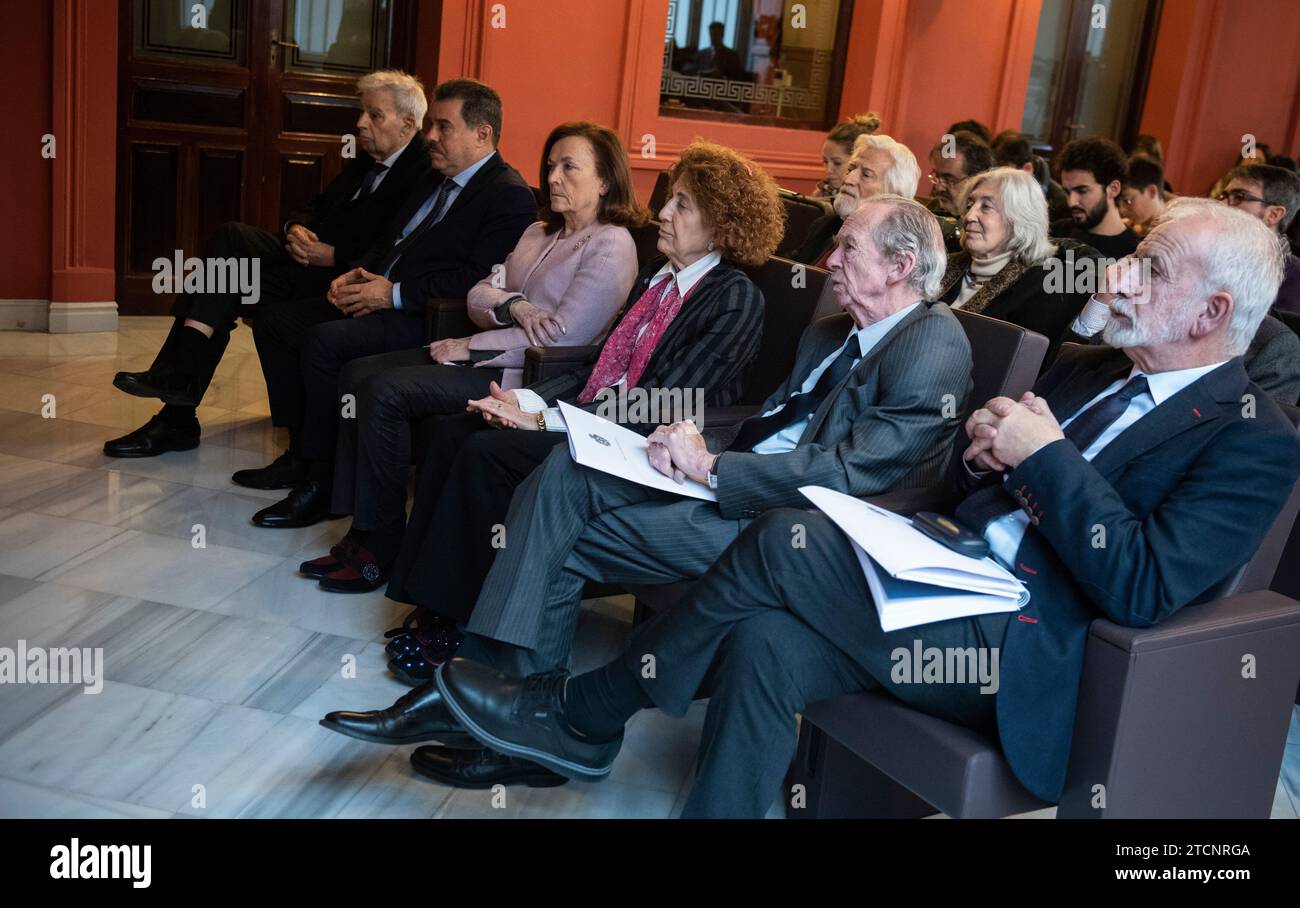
x=1180, y=500
x=482, y=226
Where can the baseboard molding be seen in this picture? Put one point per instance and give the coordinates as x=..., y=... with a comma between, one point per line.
x=79, y=318
x=24, y=315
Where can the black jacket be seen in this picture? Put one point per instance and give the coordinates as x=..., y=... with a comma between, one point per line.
x=351, y=226
x=710, y=344
x=482, y=226
x=1195, y=468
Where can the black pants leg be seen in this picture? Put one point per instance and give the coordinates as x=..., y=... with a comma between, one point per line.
x=781, y=626
x=326, y=349
x=390, y=392
x=447, y=554
x=278, y=332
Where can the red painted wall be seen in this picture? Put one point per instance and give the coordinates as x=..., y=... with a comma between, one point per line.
x=1223, y=69
x=26, y=46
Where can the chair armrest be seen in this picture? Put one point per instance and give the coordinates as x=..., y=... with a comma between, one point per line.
x=728, y=417
x=545, y=362
x=1222, y=618
x=446, y=317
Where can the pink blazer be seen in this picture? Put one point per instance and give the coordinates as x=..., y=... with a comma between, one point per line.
x=583, y=278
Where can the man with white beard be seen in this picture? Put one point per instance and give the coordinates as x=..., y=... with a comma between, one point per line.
x=1149, y=446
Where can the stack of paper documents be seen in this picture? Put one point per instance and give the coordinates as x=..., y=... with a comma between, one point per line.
x=914, y=579
x=606, y=446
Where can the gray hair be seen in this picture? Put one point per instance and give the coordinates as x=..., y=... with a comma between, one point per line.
x=908, y=228
x=407, y=91
x=904, y=175
x=1243, y=258
x=1022, y=204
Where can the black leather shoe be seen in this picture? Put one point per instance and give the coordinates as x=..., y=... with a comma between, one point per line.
x=416, y=716
x=169, y=387
x=480, y=768
x=307, y=504
x=282, y=473
x=523, y=718
x=153, y=438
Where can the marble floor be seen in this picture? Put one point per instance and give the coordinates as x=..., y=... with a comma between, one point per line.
x=218, y=660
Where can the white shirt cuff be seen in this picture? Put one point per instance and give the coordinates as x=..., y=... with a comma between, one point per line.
x=531, y=401
x=555, y=420
x=1092, y=319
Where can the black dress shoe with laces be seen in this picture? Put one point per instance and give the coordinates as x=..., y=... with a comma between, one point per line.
x=169, y=387
x=523, y=718
x=480, y=768
x=153, y=438
x=307, y=504
x=282, y=473
x=419, y=715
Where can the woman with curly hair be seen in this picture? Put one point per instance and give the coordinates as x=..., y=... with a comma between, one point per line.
x=692, y=322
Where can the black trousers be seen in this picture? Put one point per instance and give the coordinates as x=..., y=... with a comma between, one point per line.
x=391, y=392
x=776, y=626
x=278, y=332
x=328, y=347
x=279, y=278
x=457, y=521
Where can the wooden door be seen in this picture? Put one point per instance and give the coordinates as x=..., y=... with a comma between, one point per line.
x=235, y=110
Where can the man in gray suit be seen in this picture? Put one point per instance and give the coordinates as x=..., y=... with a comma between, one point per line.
x=871, y=405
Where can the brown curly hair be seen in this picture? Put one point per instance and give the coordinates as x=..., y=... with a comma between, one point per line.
x=737, y=199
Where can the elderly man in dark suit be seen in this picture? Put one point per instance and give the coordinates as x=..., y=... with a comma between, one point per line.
x=1162, y=447
x=463, y=219
x=871, y=405
x=315, y=246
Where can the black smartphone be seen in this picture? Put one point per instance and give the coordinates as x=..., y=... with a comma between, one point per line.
x=950, y=533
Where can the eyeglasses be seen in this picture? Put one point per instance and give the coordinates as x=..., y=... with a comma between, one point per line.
x=942, y=179
x=1235, y=197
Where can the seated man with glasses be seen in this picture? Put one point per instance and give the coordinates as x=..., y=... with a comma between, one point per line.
x=954, y=159
x=1271, y=194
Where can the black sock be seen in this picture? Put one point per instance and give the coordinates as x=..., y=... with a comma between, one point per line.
x=384, y=545
x=174, y=415
x=599, y=703
x=321, y=471
x=192, y=351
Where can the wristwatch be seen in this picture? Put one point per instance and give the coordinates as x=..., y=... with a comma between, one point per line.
x=541, y=420
x=501, y=311
x=713, y=477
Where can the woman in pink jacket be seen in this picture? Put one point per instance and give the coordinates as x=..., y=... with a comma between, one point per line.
x=562, y=285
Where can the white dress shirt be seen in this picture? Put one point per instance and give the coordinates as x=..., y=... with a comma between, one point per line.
x=458, y=184
x=1005, y=534
x=867, y=338
x=687, y=278
x=388, y=163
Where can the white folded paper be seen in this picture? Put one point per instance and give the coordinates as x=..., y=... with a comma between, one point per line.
x=602, y=445
x=914, y=579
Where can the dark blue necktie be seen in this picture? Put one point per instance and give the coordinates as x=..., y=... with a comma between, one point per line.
x=368, y=184
x=439, y=199
x=756, y=428
x=986, y=505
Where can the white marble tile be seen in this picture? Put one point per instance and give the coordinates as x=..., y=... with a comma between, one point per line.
x=281, y=594
x=575, y=800
x=34, y=544
x=161, y=569
x=104, y=496
x=56, y=440
x=226, y=518
x=369, y=685
x=22, y=478
x=19, y=800
x=207, y=466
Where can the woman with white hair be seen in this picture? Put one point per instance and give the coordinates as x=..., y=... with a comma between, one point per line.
x=1004, y=269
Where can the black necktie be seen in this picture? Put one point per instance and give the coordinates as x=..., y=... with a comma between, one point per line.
x=986, y=505
x=757, y=428
x=368, y=183
x=439, y=199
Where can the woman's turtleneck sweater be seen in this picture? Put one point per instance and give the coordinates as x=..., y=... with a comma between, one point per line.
x=981, y=269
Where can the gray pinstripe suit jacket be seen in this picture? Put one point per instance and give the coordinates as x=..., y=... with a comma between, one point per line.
x=882, y=428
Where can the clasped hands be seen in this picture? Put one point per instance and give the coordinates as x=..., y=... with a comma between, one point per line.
x=358, y=292
x=679, y=452
x=501, y=410
x=306, y=248
x=1004, y=432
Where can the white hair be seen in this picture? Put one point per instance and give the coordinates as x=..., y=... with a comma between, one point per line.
x=1022, y=204
x=904, y=175
x=408, y=92
x=910, y=228
x=1241, y=257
